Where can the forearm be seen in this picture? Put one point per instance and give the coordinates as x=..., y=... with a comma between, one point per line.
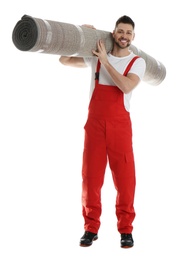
x=64, y=59
x=124, y=83
x=72, y=61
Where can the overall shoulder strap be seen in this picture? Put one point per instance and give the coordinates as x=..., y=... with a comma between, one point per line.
x=97, y=70
x=125, y=72
x=130, y=65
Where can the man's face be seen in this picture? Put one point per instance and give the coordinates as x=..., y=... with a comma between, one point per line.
x=123, y=35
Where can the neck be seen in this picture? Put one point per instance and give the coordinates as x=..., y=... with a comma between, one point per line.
x=120, y=52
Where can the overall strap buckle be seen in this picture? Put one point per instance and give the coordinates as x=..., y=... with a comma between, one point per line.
x=96, y=75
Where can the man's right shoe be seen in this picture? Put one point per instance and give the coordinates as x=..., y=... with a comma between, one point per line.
x=88, y=238
x=127, y=241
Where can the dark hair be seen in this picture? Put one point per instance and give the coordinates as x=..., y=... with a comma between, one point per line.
x=125, y=19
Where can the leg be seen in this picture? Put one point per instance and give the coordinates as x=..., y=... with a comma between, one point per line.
x=93, y=169
x=124, y=181
x=121, y=160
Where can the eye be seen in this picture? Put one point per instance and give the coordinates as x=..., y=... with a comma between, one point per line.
x=120, y=31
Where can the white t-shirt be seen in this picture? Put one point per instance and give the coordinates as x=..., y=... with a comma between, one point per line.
x=120, y=64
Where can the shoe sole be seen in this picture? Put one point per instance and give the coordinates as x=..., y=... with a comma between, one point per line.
x=127, y=247
x=85, y=245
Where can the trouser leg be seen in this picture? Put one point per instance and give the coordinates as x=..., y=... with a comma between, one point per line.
x=93, y=170
x=121, y=160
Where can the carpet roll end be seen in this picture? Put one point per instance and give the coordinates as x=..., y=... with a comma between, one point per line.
x=25, y=33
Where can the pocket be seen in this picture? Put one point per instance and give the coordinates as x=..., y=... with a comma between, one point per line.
x=129, y=157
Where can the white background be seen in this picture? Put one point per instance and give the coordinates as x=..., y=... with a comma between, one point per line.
x=43, y=108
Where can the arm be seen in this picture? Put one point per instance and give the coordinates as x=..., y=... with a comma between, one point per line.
x=72, y=61
x=125, y=83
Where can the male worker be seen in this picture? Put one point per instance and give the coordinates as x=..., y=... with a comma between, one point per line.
x=108, y=131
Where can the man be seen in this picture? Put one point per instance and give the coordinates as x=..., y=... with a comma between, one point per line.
x=108, y=132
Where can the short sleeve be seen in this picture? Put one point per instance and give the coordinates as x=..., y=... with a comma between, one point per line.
x=139, y=68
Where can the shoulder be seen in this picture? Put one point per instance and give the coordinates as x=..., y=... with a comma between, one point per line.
x=139, y=62
x=139, y=66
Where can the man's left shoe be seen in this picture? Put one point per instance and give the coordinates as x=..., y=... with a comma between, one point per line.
x=127, y=240
x=88, y=238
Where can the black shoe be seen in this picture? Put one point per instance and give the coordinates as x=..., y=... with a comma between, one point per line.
x=88, y=238
x=126, y=240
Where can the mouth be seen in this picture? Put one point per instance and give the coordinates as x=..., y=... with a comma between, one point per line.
x=123, y=41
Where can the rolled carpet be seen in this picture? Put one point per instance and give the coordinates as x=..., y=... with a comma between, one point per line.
x=52, y=37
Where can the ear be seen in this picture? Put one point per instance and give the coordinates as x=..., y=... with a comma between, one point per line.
x=133, y=36
x=112, y=34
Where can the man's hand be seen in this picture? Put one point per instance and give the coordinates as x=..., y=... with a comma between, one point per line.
x=89, y=26
x=101, y=52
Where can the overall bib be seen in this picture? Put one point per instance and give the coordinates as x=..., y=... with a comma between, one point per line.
x=108, y=138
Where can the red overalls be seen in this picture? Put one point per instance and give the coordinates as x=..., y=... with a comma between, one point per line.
x=108, y=137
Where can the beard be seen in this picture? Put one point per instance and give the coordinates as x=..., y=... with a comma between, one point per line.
x=118, y=44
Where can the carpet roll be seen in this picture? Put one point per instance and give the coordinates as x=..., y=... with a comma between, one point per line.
x=52, y=37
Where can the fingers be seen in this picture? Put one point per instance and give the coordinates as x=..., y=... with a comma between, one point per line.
x=95, y=53
x=100, y=48
x=89, y=26
x=100, y=45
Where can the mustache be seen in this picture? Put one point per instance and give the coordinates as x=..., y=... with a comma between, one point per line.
x=123, y=38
